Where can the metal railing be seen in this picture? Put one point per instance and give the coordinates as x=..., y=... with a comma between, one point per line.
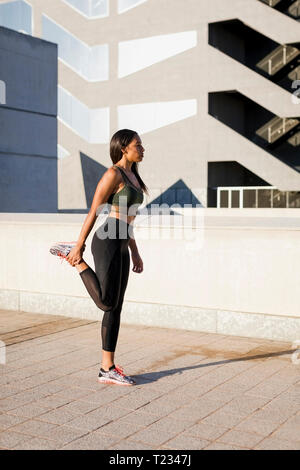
x=271, y=3
x=276, y=128
x=294, y=74
x=256, y=197
x=294, y=140
x=278, y=58
x=294, y=9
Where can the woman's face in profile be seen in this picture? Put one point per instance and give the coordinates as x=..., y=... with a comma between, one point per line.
x=135, y=150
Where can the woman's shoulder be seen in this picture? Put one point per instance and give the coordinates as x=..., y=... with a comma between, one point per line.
x=112, y=171
x=113, y=175
x=117, y=171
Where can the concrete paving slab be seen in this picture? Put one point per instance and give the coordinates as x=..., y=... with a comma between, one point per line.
x=195, y=390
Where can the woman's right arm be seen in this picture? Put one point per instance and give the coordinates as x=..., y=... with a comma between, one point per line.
x=105, y=187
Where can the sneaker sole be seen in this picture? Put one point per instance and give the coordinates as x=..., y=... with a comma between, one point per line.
x=113, y=382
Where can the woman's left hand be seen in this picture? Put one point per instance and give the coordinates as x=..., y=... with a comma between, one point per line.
x=137, y=263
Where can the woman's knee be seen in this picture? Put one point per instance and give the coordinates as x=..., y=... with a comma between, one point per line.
x=107, y=306
x=103, y=305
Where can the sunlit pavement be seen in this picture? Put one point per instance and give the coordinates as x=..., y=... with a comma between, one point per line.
x=195, y=390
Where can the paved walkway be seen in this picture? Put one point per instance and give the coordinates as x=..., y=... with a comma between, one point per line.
x=194, y=390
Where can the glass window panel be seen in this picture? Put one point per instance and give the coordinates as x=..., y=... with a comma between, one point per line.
x=73, y=113
x=223, y=198
x=62, y=152
x=294, y=198
x=64, y=106
x=91, y=124
x=80, y=121
x=17, y=16
x=124, y=5
x=235, y=198
x=99, y=8
x=90, y=8
x=99, y=62
x=90, y=62
x=2, y=92
x=249, y=197
x=264, y=198
x=279, y=198
x=99, y=125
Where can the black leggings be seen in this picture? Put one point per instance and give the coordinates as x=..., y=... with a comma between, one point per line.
x=108, y=283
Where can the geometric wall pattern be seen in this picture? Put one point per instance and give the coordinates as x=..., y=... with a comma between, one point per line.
x=90, y=8
x=92, y=171
x=125, y=5
x=93, y=9
x=138, y=54
x=89, y=62
x=90, y=124
x=146, y=117
x=62, y=152
x=152, y=66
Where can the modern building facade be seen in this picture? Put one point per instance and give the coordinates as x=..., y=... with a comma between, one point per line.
x=210, y=86
x=28, y=123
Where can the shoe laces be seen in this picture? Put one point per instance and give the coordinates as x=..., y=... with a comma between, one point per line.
x=119, y=370
x=62, y=256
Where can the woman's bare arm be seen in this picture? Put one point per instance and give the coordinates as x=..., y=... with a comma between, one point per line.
x=105, y=187
x=133, y=247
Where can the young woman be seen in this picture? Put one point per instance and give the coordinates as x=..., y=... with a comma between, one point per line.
x=122, y=187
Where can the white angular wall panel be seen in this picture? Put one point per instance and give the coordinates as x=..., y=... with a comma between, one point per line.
x=125, y=5
x=2, y=92
x=138, y=54
x=146, y=117
x=91, y=9
x=99, y=125
x=91, y=124
x=89, y=62
x=62, y=152
x=16, y=15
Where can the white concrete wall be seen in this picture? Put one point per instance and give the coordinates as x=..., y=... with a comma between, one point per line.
x=230, y=271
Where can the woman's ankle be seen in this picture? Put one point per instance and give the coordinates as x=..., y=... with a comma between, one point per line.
x=81, y=266
x=106, y=367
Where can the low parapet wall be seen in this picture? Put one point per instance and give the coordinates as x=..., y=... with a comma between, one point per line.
x=228, y=271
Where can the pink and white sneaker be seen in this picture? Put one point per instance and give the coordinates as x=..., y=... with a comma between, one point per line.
x=115, y=375
x=62, y=249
